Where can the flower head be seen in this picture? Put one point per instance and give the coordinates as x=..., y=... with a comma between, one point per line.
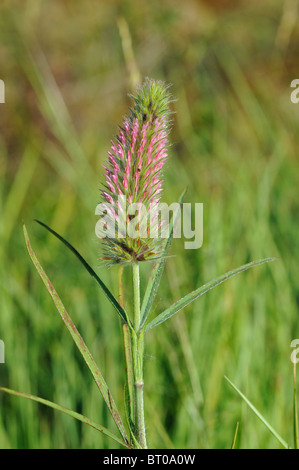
x=133, y=179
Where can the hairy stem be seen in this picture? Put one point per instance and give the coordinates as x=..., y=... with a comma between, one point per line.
x=128, y=353
x=138, y=349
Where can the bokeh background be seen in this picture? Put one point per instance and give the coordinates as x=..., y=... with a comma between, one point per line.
x=68, y=68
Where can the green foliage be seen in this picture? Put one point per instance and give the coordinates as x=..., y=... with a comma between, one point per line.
x=62, y=409
x=235, y=141
x=260, y=416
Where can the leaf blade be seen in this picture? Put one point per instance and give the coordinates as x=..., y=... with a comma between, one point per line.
x=100, y=283
x=184, y=301
x=233, y=446
x=155, y=277
x=259, y=415
x=67, y=411
x=96, y=373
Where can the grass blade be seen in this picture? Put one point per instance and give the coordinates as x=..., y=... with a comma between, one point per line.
x=67, y=411
x=184, y=301
x=258, y=414
x=99, y=379
x=100, y=283
x=155, y=277
x=235, y=436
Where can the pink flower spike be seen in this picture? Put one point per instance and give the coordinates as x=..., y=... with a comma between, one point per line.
x=136, y=157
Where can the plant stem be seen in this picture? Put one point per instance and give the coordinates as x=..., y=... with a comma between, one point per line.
x=136, y=289
x=138, y=349
x=128, y=353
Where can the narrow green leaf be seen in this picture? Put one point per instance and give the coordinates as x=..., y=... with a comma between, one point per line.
x=235, y=435
x=258, y=414
x=67, y=411
x=99, y=379
x=100, y=283
x=184, y=301
x=295, y=410
x=155, y=277
x=130, y=372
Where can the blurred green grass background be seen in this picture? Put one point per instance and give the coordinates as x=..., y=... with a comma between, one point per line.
x=68, y=67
